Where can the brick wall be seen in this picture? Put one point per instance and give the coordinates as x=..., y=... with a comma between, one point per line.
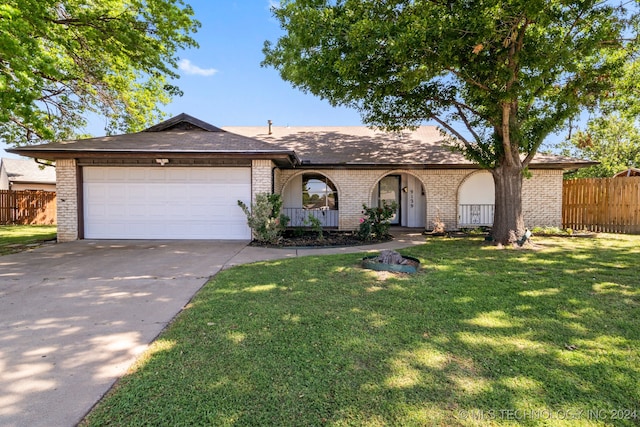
x=261, y=177
x=67, y=194
x=542, y=199
x=355, y=188
x=441, y=188
x=542, y=194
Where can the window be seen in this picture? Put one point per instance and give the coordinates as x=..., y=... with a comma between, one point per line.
x=318, y=193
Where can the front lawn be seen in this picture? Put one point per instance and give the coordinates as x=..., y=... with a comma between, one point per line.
x=481, y=336
x=17, y=238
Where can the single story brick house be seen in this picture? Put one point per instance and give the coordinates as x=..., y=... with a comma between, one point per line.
x=182, y=179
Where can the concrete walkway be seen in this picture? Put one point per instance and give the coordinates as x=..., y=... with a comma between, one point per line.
x=75, y=316
x=402, y=238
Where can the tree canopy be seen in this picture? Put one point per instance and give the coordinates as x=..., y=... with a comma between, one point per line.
x=611, y=135
x=61, y=59
x=613, y=140
x=497, y=75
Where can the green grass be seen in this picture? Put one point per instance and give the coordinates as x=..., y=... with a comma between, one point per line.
x=481, y=336
x=17, y=238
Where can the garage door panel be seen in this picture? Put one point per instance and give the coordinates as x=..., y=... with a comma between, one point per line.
x=136, y=191
x=201, y=211
x=103, y=229
x=97, y=211
x=171, y=203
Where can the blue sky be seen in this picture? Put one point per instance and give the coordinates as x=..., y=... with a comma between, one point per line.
x=223, y=82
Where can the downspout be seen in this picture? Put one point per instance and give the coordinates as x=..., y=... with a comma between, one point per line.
x=273, y=178
x=273, y=169
x=80, y=200
x=40, y=162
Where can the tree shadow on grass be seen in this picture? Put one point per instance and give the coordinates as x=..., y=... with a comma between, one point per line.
x=480, y=336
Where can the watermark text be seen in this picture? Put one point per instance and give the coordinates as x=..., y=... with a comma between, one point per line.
x=549, y=414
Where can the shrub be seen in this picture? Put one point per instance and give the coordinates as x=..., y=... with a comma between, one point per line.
x=264, y=217
x=438, y=224
x=552, y=231
x=316, y=225
x=376, y=221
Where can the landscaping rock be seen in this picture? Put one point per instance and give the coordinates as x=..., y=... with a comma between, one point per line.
x=392, y=257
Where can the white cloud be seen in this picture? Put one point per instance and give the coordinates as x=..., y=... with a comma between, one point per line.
x=274, y=4
x=189, y=68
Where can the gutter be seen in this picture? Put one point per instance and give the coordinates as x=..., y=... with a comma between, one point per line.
x=55, y=154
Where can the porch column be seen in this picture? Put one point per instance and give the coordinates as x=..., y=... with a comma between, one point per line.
x=261, y=177
x=67, y=199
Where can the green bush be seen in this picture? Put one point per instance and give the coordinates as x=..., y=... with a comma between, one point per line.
x=316, y=225
x=375, y=222
x=551, y=231
x=264, y=217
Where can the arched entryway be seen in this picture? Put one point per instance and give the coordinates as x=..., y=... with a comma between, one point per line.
x=408, y=192
x=311, y=194
x=476, y=200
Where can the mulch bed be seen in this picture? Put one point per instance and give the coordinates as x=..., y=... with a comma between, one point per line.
x=310, y=239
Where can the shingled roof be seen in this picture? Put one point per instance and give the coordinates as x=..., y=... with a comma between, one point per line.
x=363, y=146
x=27, y=171
x=351, y=146
x=181, y=135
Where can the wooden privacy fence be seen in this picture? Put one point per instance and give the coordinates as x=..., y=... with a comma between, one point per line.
x=27, y=207
x=607, y=205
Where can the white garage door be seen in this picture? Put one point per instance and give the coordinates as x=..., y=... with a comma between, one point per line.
x=165, y=202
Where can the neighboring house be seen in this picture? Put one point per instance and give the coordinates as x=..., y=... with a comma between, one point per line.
x=182, y=179
x=26, y=174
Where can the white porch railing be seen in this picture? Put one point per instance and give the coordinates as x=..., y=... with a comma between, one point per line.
x=299, y=217
x=475, y=215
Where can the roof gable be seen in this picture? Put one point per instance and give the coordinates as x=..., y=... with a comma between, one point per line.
x=181, y=136
x=183, y=122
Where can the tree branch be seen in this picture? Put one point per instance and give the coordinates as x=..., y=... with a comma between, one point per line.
x=463, y=116
x=506, y=134
x=453, y=131
x=82, y=23
x=468, y=80
x=25, y=127
x=515, y=47
x=531, y=154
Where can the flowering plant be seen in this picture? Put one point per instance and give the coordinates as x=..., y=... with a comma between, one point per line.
x=376, y=221
x=265, y=218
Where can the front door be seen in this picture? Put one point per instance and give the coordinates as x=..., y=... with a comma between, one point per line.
x=389, y=191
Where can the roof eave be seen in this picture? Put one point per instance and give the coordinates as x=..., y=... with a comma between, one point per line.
x=18, y=181
x=563, y=165
x=56, y=154
x=291, y=158
x=380, y=165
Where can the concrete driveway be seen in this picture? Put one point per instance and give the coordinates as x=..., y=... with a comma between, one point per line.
x=74, y=317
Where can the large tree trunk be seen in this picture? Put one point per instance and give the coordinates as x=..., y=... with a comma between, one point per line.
x=508, y=222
